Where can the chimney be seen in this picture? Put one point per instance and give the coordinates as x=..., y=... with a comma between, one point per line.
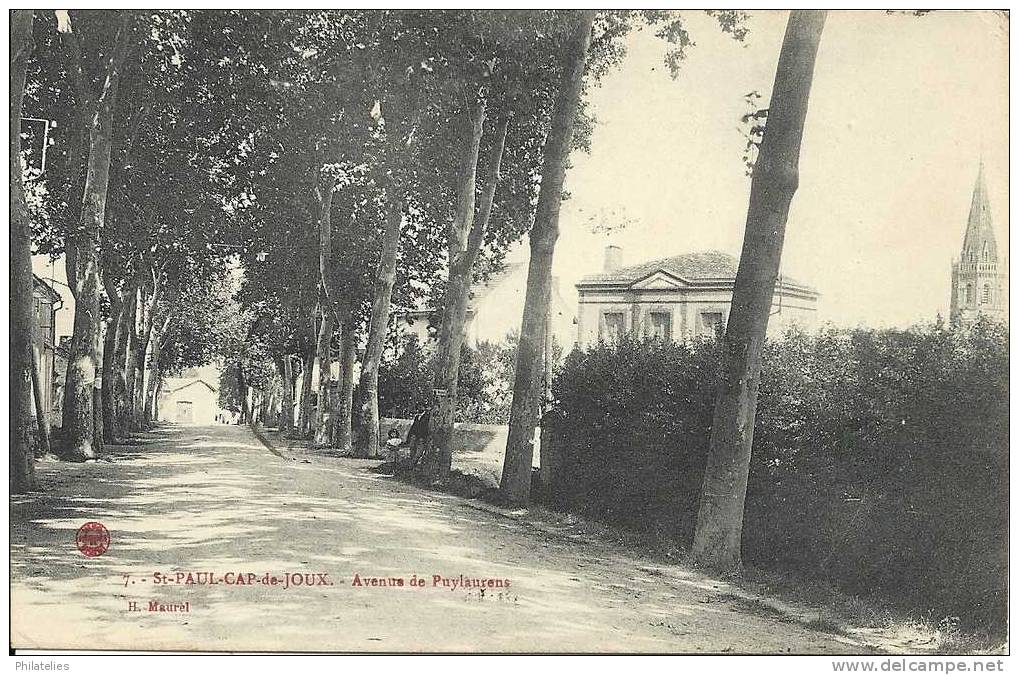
x=613, y=258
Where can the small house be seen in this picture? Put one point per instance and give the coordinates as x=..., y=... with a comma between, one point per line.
x=189, y=400
x=679, y=298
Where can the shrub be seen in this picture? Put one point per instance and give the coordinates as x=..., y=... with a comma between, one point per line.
x=405, y=383
x=880, y=457
x=483, y=392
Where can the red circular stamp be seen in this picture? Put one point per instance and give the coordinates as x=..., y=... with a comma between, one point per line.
x=93, y=539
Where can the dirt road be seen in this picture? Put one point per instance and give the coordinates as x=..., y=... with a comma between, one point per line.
x=214, y=501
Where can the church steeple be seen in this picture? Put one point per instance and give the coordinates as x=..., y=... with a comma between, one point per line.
x=979, y=285
x=979, y=244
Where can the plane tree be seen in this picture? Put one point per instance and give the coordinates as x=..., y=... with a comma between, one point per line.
x=718, y=535
x=123, y=189
x=501, y=88
x=586, y=46
x=22, y=462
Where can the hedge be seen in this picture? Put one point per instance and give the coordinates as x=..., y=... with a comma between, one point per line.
x=880, y=458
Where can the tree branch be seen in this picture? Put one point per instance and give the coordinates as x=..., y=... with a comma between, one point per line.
x=74, y=61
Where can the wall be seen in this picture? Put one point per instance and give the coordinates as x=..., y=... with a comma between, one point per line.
x=497, y=311
x=501, y=311
x=203, y=399
x=43, y=345
x=685, y=307
x=477, y=448
x=977, y=275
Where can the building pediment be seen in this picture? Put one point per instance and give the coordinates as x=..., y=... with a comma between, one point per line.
x=660, y=279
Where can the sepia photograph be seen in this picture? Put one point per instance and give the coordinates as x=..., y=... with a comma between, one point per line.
x=510, y=331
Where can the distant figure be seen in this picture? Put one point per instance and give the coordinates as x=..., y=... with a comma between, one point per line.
x=417, y=437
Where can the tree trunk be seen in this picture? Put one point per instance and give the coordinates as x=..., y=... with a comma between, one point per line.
x=720, y=518
x=110, y=340
x=97, y=412
x=130, y=362
x=147, y=309
x=265, y=408
x=22, y=476
x=367, y=441
x=343, y=436
x=516, y=471
x=155, y=383
x=547, y=361
x=158, y=380
x=114, y=350
x=466, y=238
x=324, y=186
x=286, y=371
x=325, y=365
x=138, y=399
x=40, y=413
x=142, y=365
x=242, y=388
x=151, y=390
x=123, y=360
x=304, y=410
x=83, y=266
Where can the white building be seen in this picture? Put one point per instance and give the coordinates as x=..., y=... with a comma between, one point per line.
x=495, y=310
x=191, y=399
x=675, y=298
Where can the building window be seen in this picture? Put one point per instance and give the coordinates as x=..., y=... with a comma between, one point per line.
x=613, y=326
x=711, y=323
x=968, y=295
x=985, y=299
x=660, y=326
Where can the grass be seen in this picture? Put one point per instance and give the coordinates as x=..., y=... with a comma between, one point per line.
x=825, y=624
x=950, y=640
x=753, y=606
x=837, y=612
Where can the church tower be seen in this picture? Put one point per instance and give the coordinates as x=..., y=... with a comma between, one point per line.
x=979, y=278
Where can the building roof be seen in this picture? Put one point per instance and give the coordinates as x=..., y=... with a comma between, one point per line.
x=980, y=228
x=690, y=266
x=174, y=384
x=40, y=284
x=698, y=266
x=478, y=291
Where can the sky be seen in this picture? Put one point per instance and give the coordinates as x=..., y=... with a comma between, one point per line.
x=901, y=110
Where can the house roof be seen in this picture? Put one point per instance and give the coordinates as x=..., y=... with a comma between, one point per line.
x=696, y=266
x=42, y=285
x=480, y=290
x=176, y=384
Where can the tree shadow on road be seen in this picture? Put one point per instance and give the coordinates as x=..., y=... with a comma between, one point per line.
x=214, y=500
